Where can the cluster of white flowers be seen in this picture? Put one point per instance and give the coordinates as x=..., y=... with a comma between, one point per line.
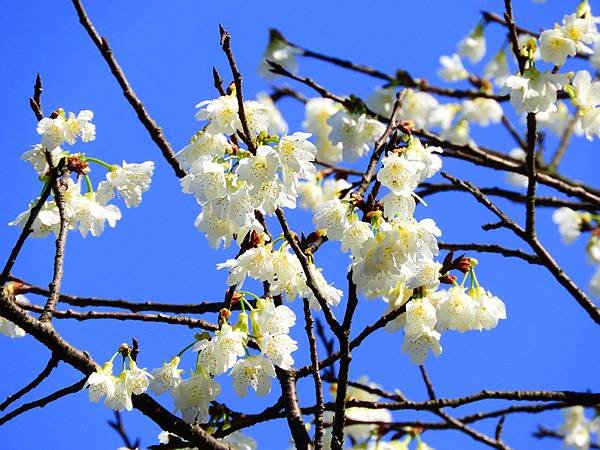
x=231, y=183
x=452, y=119
x=90, y=211
x=570, y=225
x=577, y=429
x=282, y=270
x=340, y=134
x=117, y=391
x=536, y=91
x=457, y=309
x=226, y=351
x=393, y=255
x=570, y=38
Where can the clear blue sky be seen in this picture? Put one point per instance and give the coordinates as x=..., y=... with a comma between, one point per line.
x=167, y=49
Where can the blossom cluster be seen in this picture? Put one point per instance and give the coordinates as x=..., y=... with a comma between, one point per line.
x=87, y=212
x=232, y=183
x=393, y=254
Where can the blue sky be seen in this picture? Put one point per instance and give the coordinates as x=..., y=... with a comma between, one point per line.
x=155, y=253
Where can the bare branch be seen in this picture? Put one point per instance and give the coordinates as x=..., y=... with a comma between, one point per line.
x=45, y=373
x=153, y=129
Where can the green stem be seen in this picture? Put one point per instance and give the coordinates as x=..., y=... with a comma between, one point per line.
x=256, y=297
x=104, y=164
x=185, y=349
x=112, y=358
x=474, y=278
x=88, y=183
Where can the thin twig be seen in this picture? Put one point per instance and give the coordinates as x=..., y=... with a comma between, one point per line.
x=237, y=79
x=45, y=373
x=491, y=248
x=59, y=188
x=102, y=315
x=314, y=359
x=530, y=160
x=119, y=427
x=76, y=387
x=565, y=140
x=151, y=126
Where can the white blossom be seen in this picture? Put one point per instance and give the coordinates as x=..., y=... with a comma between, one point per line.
x=575, y=428
x=257, y=118
x=80, y=126
x=458, y=311
x=221, y=353
x=280, y=52
x=587, y=92
x=420, y=108
x=136, y=380
x=254, y=372
x=278, y=349
x=490, y=308
x=193, y=396
x=452, y=68
x=120, y=398
x=555, y=46
x=332, y=216
x=473, y=46
x=203, y=144
x=595, y=283
x=425, y=159
x=167, y=377
x=92, y=212
x=329, y=293
x=420, y=316
x=399, y=174
x=355, y=236
x=37, y=157
x=355, y=132
x=222, y=114
x=317, y=113
x=131, y=180
x=271, y=319
x=256, y=263
x=297, y=154
x=534, y=91
x=239, y=441
x=260, y=168
x=205, y=180
x=398, y=205
x=101, y=383
x=382, y=100
x=482, y=111
x=569, y=223
x=419, y=346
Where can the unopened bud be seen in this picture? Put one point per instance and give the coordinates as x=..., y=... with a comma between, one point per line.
x=464, y=265
x=124, y=349
x=77, y=165
x=225, y=313
x=447, y=279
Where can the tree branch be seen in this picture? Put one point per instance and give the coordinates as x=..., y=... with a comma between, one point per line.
x=153, y=129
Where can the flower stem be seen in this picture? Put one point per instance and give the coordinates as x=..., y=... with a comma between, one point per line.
x=104, y=164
